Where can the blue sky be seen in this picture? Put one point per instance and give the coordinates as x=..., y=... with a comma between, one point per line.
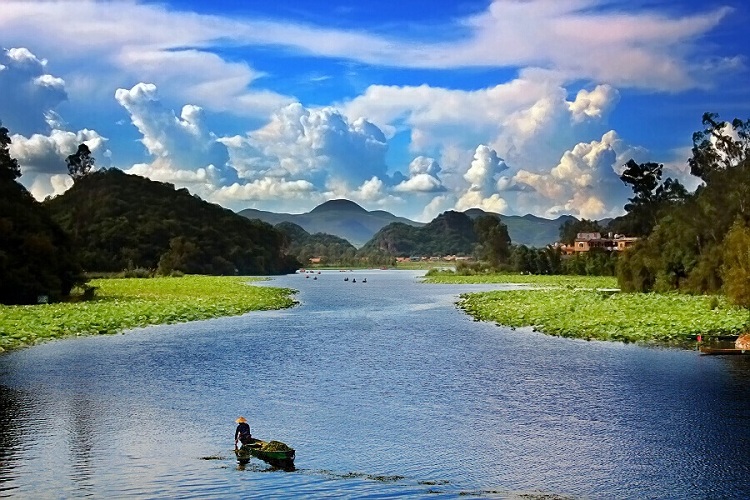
x=415, y=107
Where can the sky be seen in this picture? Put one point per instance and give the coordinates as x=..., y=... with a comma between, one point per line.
x=415, y=107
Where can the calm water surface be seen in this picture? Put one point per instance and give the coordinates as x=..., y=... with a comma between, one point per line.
x=385, y=389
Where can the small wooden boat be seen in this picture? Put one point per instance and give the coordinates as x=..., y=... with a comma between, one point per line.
x=282, y=458
x=722, y=350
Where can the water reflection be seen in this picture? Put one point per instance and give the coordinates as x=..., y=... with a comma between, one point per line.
x=384, y=390
x=11, y=407
x=83, y=425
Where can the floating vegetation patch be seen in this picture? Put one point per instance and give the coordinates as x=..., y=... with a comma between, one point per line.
x=362, y=475
x=213, y=457
x=627, y=317
x=122, y=304
x=440, y=482
x=275, y=446
x=557, y=281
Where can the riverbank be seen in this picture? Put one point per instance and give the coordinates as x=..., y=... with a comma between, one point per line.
x=121, y=304
x=590, y=308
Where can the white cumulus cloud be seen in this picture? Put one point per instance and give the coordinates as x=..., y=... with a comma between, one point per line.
x=27, y=91
x=584, y=183
x=423, y=177
x=320, y=145
x=184, y=150
x=482, y=176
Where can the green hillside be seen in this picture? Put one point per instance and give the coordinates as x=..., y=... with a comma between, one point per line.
x=331, y=249
x=448, y=234
x=528, y=229
x=122, y=221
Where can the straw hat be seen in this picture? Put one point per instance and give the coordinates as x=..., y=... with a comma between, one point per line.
x=241, y=420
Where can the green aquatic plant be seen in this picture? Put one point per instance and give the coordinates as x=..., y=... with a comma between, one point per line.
x=540, y=280
x=275, y=446
x=121, y=304
x=626, y=317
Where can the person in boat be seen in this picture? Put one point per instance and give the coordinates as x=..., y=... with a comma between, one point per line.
x=242, y=434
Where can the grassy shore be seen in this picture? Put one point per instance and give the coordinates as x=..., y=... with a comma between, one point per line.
x=577, y=306
x=121, y=304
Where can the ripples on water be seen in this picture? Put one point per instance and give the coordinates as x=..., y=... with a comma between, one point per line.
x=385, y=389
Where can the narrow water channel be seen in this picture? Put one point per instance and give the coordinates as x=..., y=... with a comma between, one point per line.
x=384, y=389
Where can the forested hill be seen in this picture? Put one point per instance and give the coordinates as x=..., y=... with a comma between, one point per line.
x=122, y=221
x=528, y=229
x=350, y=221
x=448, y=234
x=329, y=248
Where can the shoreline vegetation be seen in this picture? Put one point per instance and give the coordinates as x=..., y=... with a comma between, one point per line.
x=122, y=304
x=592, y=308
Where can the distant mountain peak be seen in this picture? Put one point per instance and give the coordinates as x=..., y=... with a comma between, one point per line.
x=339, y=205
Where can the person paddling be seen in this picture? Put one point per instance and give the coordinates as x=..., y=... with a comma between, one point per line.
x=242, y=433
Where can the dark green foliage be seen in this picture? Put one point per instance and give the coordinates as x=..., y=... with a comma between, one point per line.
x=125, y=221
x=547, y=260
x=9, y=169
x=36, y=256
x=451, y=233
x=651, y=198
x=736, y=268
x=331, y=249
x=715, y=150
x=687, y=248
x=80, y=163
x=595, y=262
x=493, y=242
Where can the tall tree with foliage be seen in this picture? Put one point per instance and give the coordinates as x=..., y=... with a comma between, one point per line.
x=9, y=169
x=736, y=268
x=651, y=198
x=687, y=249
x=719, y=146
x=80, y=163
x=493, y=241
x=36, y=256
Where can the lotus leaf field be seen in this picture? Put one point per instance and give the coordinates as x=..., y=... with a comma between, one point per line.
x=121, y=304
x=586, y=307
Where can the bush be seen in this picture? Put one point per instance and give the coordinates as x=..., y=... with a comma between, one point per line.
x=736, y=268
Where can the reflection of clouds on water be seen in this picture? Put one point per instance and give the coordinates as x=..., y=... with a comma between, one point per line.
x=11, y=406
x=83, y=426
x=387, y=379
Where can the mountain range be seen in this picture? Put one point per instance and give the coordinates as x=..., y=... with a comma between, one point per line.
x=348, y=220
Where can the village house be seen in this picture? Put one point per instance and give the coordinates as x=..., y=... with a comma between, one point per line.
x=585, y=242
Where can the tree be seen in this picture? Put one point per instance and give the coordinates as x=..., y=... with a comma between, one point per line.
x=36, y=255
x=9, y=169
x=715, y=148
x=736, y=269
x=80, y=163
x=492, y=239
x=650, y=198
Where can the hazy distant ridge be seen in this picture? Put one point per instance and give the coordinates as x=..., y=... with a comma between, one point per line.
x=342, y=218
x=348, y=220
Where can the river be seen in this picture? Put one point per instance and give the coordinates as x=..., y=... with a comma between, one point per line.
x=385, y=389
